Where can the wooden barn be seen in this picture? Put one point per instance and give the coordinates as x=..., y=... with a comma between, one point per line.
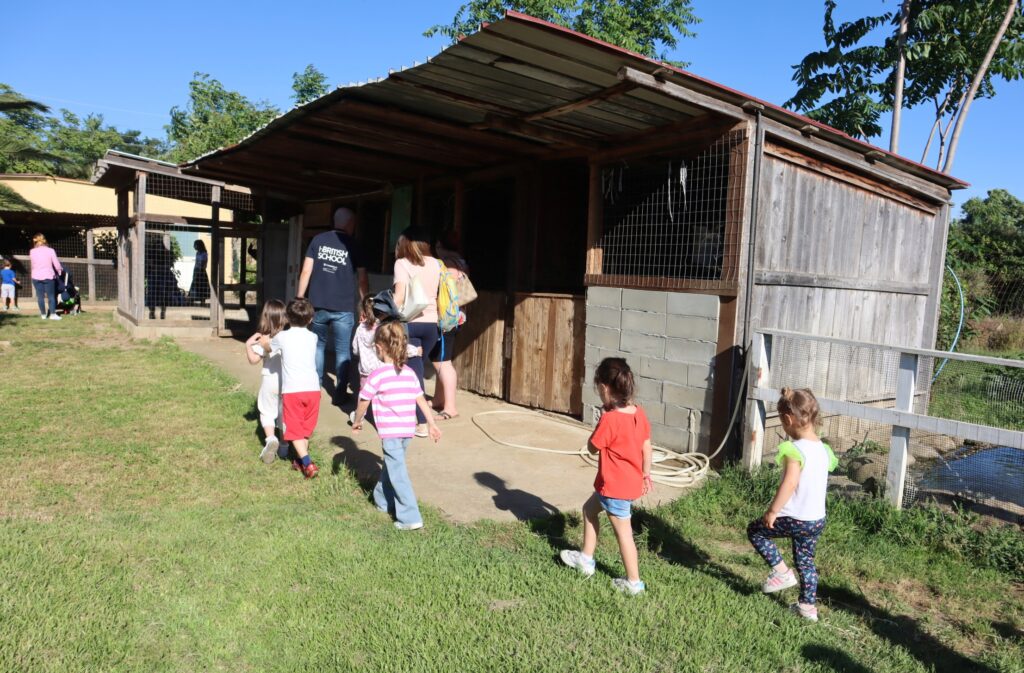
x=607, y=204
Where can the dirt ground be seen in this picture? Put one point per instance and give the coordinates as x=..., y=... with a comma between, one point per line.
x=467, y=475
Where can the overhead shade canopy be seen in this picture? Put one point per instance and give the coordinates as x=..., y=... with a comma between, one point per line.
x=519, y=88
x=49, y=220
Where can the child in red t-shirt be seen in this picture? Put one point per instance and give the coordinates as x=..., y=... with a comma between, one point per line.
x=622, y=441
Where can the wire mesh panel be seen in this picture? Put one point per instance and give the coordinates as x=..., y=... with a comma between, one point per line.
x=176, y=273
x=673, y=223
x=88, y=255
x=943, y=466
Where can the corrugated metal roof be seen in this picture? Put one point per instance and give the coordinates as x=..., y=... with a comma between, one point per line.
x=518, y=88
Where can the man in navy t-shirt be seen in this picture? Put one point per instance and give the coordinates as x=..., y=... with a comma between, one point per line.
x=335, y=275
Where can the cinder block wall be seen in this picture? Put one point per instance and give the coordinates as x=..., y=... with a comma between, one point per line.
x=669, y=340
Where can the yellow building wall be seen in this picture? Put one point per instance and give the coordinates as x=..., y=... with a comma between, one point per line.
x=64, y=195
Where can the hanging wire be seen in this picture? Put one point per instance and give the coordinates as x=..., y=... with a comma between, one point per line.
x=959, y=327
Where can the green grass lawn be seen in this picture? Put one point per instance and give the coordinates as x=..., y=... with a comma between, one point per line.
x=139, y=532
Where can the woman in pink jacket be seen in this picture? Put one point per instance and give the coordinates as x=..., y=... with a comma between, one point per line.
x=45, y=269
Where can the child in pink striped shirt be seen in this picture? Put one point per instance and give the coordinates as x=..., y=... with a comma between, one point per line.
x=395, y=392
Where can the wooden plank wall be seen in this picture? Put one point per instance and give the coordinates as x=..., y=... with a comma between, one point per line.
x=547, y=352
x=481, y=345
x=839, y=256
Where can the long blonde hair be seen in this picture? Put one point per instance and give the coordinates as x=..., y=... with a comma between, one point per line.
x=38, y=240
x=391, y=338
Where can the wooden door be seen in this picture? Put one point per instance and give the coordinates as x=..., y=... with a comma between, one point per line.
x=480, y=345
x=547, y=352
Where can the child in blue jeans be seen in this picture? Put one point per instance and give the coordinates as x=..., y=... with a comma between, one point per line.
x=798, y=509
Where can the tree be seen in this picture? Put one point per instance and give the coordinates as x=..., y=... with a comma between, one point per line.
x=21, y=143
x=950, y=51
x=649, y=27
x=308, y=85
x=214, y=117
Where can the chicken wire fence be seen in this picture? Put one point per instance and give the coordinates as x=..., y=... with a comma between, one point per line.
x=965, y=433
x=93, y=274
x=671, y=223
x=175, y=269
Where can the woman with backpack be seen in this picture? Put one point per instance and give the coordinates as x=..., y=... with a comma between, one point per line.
x=414, y=264
x=443, y=353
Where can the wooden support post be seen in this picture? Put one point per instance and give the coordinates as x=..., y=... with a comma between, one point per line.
x=216, y=263
x=123, y=292
x=243, y=269
x=90, y=254
x=896, y=475
x=139, y=251
x=759, y=377
x=595, y=222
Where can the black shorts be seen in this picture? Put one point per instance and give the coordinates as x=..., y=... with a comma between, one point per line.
x=444, y=349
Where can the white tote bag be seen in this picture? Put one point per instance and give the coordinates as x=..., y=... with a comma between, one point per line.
x=415, y=299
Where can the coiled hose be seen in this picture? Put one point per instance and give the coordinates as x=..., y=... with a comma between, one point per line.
x=691, y=468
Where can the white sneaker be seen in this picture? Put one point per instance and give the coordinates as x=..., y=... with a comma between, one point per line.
x=408, y=526
x=351, y=418
x=43, y=316
x=625, y=586
x=779, y=581
x=808, y=612
x=54, y=316
x=269, y=453
x=576, y=559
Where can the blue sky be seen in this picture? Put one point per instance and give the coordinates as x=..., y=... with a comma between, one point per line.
x=132, y=61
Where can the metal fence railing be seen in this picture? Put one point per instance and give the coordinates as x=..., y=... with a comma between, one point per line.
x=910, y=425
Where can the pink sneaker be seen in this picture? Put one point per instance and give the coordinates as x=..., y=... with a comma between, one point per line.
x=779, y=581
x=808, y=612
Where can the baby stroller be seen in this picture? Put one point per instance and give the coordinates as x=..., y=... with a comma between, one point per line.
x=68, y=299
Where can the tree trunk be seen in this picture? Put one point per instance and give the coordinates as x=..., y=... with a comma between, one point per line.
x=901, y=67
x=975, y=83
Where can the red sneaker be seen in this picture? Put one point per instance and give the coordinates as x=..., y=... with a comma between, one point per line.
x=296, y=465
x=310, y=471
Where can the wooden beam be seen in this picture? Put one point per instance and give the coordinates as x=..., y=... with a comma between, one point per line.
x=690, y=136
x=139, y=250
x=717, y=287
x=380, y=114
x=797, y=279
x=852, y=159
x=725, y=372
x=452, y=96
x=511, y=125
x=90, y=255
x=862, y=182
x=586, y=101
x=595, y=222
x=679, y=92
x=216, y=265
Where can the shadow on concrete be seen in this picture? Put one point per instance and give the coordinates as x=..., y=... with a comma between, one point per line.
x=835, y=660
x=664, y=540
x=364, y=465
x=522, y=505
x=902, y=631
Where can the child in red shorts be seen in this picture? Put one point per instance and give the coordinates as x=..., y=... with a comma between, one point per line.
x=300, y=384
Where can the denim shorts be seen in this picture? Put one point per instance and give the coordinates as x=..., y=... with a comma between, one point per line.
x=616, y=507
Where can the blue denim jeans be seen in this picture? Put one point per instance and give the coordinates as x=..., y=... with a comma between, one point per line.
x=339, y=325
x=49, y=288
x=393, y=493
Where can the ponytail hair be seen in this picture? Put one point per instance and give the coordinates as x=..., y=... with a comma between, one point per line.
x=618, y=377
x=391, y=338
x=801, y=404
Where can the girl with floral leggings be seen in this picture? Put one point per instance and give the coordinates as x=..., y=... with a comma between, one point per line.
x=798, y=510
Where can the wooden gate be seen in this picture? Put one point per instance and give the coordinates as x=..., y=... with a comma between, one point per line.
x=547, y=352
x=480, y=354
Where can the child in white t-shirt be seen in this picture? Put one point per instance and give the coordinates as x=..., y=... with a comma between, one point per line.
x=798, y=509
x=300, y=383
x=272, y=321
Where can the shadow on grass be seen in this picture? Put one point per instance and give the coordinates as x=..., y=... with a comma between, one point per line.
x=1008, y=631
x=553, y=529
x=903, y=632
x=665, y=540
x=836, y=660
x=522, y=505
x=364, y=465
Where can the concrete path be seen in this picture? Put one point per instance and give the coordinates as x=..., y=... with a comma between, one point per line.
x=467, y=475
